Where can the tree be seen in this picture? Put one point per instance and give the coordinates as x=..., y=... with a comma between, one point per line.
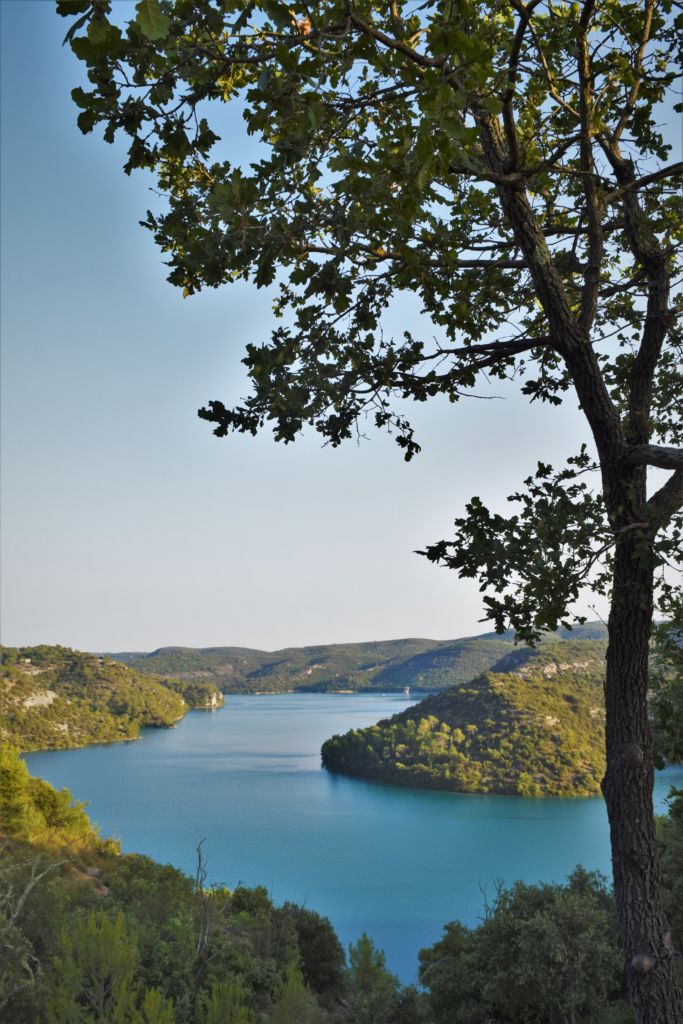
x=321, y=952
x=504, y=164
x=156, y=1009
x=16, y=811
x=95, y=972
x=543, y=953
x=226, y=1004
x=295, y=1001
x=373, y=990
x=20, y=964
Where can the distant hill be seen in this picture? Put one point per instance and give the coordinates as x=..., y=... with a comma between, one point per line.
x=54, y=697
x=389, y=665
x=532, y=726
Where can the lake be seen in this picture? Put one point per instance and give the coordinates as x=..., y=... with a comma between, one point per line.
x=396, y=863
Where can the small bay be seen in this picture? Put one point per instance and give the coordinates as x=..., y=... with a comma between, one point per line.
x=396, y=863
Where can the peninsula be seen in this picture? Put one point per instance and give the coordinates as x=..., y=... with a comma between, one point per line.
x=533, y=725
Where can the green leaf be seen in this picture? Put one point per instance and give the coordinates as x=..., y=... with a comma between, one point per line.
x=152, y=20
x=101, y=31
x=81, y=98
x=66, y=8
x=424, y=174
x=86, y=121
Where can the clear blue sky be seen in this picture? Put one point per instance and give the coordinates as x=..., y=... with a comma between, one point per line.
x=125, y=524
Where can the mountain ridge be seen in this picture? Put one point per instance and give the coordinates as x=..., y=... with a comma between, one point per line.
x=385, y=665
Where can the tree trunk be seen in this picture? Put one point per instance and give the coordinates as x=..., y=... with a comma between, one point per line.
x=627, y=788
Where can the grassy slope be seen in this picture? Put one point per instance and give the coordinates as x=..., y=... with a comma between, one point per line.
x=53, y=697
x=534, y=726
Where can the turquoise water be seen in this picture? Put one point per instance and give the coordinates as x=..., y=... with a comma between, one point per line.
x=393, y=862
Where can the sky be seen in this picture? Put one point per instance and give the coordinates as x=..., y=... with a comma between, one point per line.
x=125, y=524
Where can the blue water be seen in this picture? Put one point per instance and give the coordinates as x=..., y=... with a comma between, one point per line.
x=393, y=862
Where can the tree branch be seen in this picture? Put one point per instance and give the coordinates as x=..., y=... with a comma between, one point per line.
x=393, y=44
x=646, y=248
x=525, y=13
x=594, y=202
x=569, y=335
x=551, y=160
x=672, y=170
x=379, y=254
x=665, y=502
x=552, y=88
x=655, y=455
x=488, y=354
x=637, y=73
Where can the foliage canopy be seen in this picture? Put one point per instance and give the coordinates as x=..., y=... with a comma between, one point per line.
x=504, y=164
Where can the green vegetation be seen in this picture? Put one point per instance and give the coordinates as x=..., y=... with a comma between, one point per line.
x=544, y=954
x=31, y=808
x=535, y=728
x=547, y=954
x=390, y=665
x=91, y=936
x=424, y=665
x=94, y=937
x=199, y=694
x=666, y=681
x=53, y=697
x=671, y=863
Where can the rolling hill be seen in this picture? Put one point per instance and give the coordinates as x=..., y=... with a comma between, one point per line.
x=391, y=665
x=533, y=726
x=54, y=697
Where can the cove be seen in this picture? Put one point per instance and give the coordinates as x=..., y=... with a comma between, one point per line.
x=393, y=862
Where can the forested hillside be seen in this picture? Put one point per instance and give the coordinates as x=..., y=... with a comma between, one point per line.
x=54, y=697
x=89, y=934
x=534, y=726
x=424, y=665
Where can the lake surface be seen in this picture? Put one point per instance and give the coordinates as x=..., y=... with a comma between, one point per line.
x=396, y=863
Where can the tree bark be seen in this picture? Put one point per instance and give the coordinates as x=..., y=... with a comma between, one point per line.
x=627, y=788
